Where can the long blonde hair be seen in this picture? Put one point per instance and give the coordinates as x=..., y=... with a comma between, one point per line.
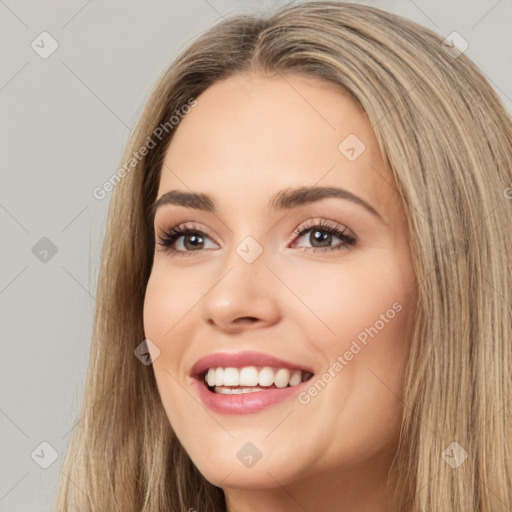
x=448, y=139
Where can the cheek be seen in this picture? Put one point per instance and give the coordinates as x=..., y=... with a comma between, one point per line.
x=356, y=296
x=156, y=303
x=366, y=311
x=364, y=335
x=154, y=319
x=166, y=301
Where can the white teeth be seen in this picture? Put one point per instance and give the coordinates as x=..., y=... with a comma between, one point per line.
x=282, y=378
x=296, y=378
x=266, y=376
x=210, y=377
x=231, y=377
x=248, y=378
x=235, y=391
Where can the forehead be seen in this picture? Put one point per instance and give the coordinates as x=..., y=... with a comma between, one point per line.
x=251, y=135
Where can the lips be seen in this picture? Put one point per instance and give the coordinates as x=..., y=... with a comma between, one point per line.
x=229, y=398
x=240, y=360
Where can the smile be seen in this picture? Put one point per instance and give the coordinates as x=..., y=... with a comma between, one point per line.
x=252, y=379
x=246, y=382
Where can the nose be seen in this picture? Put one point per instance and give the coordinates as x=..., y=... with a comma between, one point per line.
x=243, y=297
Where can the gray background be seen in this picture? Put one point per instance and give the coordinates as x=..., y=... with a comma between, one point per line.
x=64, y=122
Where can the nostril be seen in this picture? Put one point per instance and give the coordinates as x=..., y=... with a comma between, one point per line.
x=245, y=319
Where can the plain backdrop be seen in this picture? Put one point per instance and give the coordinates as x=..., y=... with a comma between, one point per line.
x=64, y=122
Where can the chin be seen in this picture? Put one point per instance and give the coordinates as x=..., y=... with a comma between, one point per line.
x=245, y=469
x=255, y=478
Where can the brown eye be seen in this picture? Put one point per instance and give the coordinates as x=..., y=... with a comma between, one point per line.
x=321, y=237
x=183, y=240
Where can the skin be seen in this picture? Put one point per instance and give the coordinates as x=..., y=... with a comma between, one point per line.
x=249, y=137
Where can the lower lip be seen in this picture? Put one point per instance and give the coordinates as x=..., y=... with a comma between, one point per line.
x=245, y=403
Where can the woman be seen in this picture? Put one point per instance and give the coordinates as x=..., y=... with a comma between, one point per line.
x=243, y=358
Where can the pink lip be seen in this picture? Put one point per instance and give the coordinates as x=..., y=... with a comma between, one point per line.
x=245, y=403
x=241, y=359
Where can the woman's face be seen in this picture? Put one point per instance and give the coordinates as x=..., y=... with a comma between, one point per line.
x=321, y=281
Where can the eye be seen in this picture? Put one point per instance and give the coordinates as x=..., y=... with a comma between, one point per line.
x=321, y=236
x=193, y=239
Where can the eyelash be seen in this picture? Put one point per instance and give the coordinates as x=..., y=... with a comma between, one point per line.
x=167, y=239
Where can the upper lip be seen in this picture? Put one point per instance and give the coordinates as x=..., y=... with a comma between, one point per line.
x=241, y=359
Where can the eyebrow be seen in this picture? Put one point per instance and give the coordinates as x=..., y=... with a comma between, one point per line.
x=284, y=199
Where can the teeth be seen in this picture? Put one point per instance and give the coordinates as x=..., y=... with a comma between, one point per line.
x=296, y=378
x=235, y=391
x=282, y=378
x=219, y=377
x=231, y=377
x=266, y=376
x=247, y=378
